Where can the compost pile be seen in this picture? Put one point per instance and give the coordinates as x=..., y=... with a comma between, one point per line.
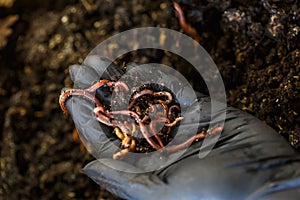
x=255, y=45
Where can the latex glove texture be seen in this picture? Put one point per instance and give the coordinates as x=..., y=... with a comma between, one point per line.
x=249, y=161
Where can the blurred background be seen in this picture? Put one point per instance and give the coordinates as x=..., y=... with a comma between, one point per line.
x=255, y=45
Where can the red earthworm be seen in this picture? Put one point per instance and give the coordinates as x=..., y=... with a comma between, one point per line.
x=155, y=133
x=166, y=121
x=164, y=93
x=137, y=109
x=215, y=130
x=100, y=83
x=141, y=124
x=189, y=141
x=139, y=94
x=164, y=105
x=101, y=117
x=80, y=92
x=185, y=144
x=178, y=119
x=151, y=107
x=173, y=107
x=124, y=130
x=121, y=84
x=150, y=92
x=186, y=27
x=97, y=85
x=168, y=128
x=76, y=92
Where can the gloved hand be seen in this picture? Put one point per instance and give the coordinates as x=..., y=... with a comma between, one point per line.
x=249, y=161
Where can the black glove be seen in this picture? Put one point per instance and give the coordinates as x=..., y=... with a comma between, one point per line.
x=249, y=161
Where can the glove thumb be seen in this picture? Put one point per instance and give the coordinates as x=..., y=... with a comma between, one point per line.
x=123, y=184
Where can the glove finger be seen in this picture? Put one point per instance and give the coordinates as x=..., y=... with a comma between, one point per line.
x=125, y=185
x=83, y=76
x=103, y=67
x=93, y=69
x=248, y=152
x=242, y=129
x=92, y=134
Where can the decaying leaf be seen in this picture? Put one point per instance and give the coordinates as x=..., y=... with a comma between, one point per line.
x=5, y=29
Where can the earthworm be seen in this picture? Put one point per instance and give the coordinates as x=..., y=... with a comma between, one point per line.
x=141, y=124
x=139, y=94
x=164, y=93
x=155, y=133
x=186, y=27
x=125, y=130
x=172, y=108
x=185, y=144
x=178, y=119
x=192, y=139
x=76, y=92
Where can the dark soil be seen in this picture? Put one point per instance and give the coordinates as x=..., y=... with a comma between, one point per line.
x=255, y=45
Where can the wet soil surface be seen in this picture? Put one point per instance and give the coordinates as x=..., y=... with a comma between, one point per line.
x=255, y=45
